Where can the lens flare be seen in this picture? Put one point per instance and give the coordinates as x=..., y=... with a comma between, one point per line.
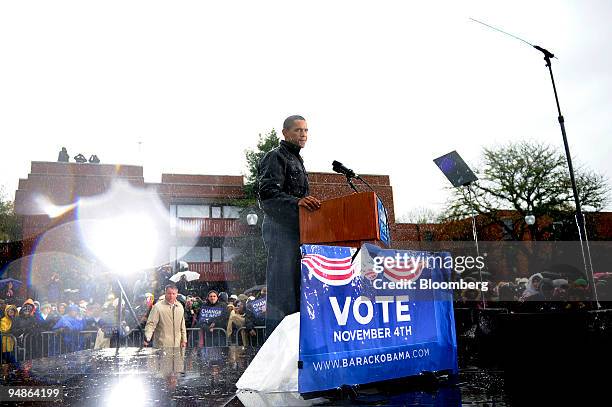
x=128, y=229
x=129, y=391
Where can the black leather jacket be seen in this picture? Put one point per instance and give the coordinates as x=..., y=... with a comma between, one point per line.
x=282, y=181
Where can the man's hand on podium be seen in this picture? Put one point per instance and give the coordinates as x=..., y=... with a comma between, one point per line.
x=310, y=202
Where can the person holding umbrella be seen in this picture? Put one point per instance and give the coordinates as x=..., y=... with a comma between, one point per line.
x=9, y=288
x=183, y=277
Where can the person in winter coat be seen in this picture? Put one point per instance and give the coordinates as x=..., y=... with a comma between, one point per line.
x=255, y=314
x=70, y=325
x=43, y=317
x=214, y=313
x=166, y=323
x=237, y=320
x=533, y=286
x=8, y=343
x=283, y=189
x=27, y=322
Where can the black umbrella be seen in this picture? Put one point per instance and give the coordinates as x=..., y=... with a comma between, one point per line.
x=16, y=283
x=565, y=270
x=551, y=275
x=256, y=288
x=476, y=274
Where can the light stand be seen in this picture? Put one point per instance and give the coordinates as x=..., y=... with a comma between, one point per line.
x=475, y=235
x=252, y=222
x=530, y=221
x=123, y=295
x=460, y=175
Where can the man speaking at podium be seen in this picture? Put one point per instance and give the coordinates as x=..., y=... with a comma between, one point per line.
x=283, y=188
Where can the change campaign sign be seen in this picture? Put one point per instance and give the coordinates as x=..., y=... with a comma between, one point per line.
x=374, y=315
x=207, y=314
x=258, y=307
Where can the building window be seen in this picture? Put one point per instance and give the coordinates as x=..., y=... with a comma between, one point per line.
x=229, y=253
x=509, y=224
x=231, y=212
x=215, y=212
x=192, y=211
x=217, y=254
x=198, y=254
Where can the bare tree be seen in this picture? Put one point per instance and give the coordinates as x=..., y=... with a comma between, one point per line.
x=527, y=178
x=420, y=215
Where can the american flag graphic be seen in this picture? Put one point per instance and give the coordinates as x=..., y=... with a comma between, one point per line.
x=405, y=270
x=367, y=267
x=329, y=270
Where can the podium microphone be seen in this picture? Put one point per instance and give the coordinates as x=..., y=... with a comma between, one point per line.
x=338, y=167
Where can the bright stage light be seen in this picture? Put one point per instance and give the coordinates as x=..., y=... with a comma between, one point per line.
x=125, y=243
x=129, y=391
x=129, y=229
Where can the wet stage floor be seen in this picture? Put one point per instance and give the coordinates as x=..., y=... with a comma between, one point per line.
x=206, y=377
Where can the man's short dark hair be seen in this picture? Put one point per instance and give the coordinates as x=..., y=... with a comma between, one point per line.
x=171, y=286
x=288, y=123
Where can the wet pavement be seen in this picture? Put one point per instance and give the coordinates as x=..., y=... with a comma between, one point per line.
x=206, y=377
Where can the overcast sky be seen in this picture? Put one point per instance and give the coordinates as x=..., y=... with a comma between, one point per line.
x=386, y=86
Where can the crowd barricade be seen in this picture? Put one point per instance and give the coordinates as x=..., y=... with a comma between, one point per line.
x=28, y=346
x=256, y=340
x=8, y=350
x=134, y=339
x=199, y=337
x=193, y=337
x=53, y=343
x=59, y=342
x=87, y=339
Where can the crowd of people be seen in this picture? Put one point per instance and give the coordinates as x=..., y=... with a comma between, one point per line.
x=541, y=292
x=92, y=307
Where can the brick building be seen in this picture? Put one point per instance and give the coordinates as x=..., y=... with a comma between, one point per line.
x=210, y=204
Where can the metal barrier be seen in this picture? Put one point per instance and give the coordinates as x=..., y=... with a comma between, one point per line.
x=54, y=343
x=201, y=337
x=8, y=350
x=257, y=340
x=218, y=337
x=193, y=337
x=27, y=348
x=87, y=339
x=135, y=338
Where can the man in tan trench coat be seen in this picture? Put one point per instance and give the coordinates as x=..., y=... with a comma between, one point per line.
x=166, y=322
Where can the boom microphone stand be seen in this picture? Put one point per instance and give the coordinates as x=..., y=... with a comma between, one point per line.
x=580, y=223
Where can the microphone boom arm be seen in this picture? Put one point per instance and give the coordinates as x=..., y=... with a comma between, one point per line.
x=365, y=182
x=350, y=182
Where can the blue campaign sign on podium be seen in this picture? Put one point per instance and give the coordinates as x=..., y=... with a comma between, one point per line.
x=364, y=319
x=383, y=223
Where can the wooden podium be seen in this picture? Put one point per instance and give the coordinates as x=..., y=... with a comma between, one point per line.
x=346, y=221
